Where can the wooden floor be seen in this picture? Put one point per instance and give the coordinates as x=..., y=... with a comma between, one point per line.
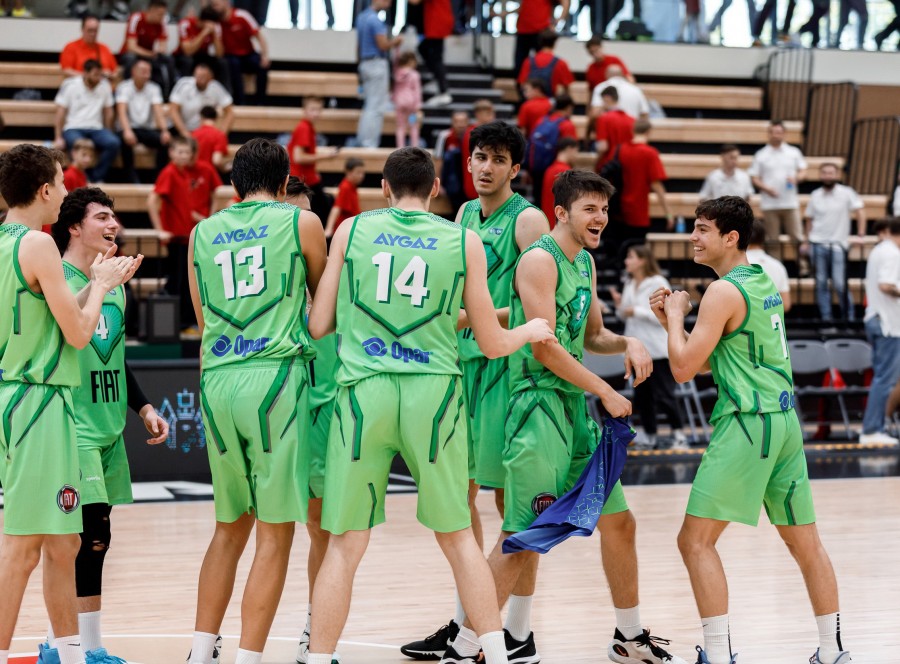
x=403, y=589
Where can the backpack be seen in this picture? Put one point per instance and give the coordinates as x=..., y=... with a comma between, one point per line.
x=612, y=172
x=542, y=145
x=545, y=74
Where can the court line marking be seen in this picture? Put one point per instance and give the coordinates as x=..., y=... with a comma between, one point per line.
x=364, y=644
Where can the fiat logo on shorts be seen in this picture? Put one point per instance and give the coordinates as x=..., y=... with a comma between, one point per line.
x=67, y=499
x=541, y=502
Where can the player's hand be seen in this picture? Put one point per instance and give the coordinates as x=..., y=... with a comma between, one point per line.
x=539, y=331
x=678, y=303
x=657, y=305
x=130, y=138
x=155, y=425
x=614, y=403
x=134, y=266
x=637, y=361
x=109, y=271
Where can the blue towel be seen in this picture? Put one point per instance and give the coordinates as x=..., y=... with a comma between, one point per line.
x=577, y=511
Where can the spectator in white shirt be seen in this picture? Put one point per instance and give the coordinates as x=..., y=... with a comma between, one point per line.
x=729, y=180
x=631, y=99
x=192, y=93
x=141, y=118
x=896, y=205
x=828, y=217
x=756, y=254
x=84, y=109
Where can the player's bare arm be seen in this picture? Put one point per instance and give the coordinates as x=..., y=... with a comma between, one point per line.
x=312, y=242
x=492, y=339
x=322, y=315
x=192, y=282
x=530, y=225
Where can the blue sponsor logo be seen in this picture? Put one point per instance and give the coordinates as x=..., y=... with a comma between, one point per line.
x=374, y=347
x=222, y=346
x=494, y=230
x=786, y=400
x=772, y=301
x=407, y=242
x=241, y=235
x=378, y=348
x=241, y=346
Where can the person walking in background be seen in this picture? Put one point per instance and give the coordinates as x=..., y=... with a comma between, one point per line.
x=729, y=180
x=716, y=22
x=598, y=71
x=239, y=30
x=535, y=107
x=862, y=22
x=642, y=172
x=534, y=16
x=566, y=153
x=374, y=42
x=438, y=23
x=407, y=96
x=294, y=6
x=547, y=66
x=814, y=24
x=889, y=29
x=614, y=127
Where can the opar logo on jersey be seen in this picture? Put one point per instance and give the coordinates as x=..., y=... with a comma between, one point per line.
x=241, y=235
x=407, y=242
x=221, y=346
x=786, y=400
x=241, y=346
x=772, y=301
x=375, y=347
x=401, y=352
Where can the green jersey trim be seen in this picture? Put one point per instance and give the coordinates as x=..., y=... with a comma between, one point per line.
x=18, y=267
x=744, y=322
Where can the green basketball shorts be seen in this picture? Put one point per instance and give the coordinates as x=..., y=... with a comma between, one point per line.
x=419, y=416
x=256, y=415
x=486, y=385
x=320, y=425
x=754, y=460
x=105, y=475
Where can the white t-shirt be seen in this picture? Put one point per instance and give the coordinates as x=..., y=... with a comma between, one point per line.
x=896, y=209
x=830, y=213
x=719, y=184
x=140, y=102
x=84, y=105
x=774, y=166
x=643, y=325
x=191, y=100
x=771, y=266
x=631, y=98
x=883, y=267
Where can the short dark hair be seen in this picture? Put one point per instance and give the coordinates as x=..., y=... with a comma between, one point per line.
x=89, y=16
x=547, y=38
x=730, y=213
x=409, y=172
x=641, y=126
x=142, y=58
x=565, y=143
x=209, y=113
x=831, y=164
x=209, y=14
x=729, y=147
x=352, y=163
x=537, y=84
x=260, y=165
x=297, y=187
x=596, y=40
x=158, y=3
x=91, y=65
x=572, y=185
x=611, y=92
x=498, y=135
x=563, y=102
x=776, y=123
x=757, y=233
x=309, y=98
x=189, y=141
x=894, y=225
x=24, y=169
x=73, y=210
x=203, y=62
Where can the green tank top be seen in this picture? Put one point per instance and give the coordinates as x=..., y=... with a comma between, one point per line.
x=752, y=365
x=498, y=234
x=101, y=402
x=399, y=296
x=32, y=347
x=323, y=387
x=574, y=293
x=252, y=279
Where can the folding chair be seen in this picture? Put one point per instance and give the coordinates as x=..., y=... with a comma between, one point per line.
x=849, y=356
x=811, y=358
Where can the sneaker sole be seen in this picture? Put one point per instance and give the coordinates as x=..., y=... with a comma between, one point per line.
x=423, y=655
x=622, y=659
x=527, y=659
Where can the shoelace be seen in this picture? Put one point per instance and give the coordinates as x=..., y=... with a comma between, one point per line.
x=441, y=631
x=655, y=643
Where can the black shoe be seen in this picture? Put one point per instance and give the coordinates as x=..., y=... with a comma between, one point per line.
x=453, y=657
x=521, y=652
x=434, y=646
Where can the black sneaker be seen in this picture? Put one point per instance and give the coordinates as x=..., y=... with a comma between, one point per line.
x=642, y=648
x=521, y=652
x=453, y=657
x=434, y=646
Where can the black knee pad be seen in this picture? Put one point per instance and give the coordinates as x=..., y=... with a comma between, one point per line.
x=95, y=539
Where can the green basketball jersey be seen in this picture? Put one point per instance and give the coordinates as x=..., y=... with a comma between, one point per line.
x=574, y=293
x=102, y=400
x=252, y=280
x=498, y=234
x=32, y=347
x=399, y=297
x=323, y=387
x=752, y=365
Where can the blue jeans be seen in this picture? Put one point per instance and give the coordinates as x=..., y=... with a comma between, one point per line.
x=886, y=367
x=830, y=262
x=374, y=77
x=107, y=144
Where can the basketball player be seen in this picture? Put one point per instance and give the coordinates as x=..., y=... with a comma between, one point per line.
x=254, y=262
x=41, y=325
x=506, y=224
x=549, y=435
x=755, y=455
x=396, y=305
x=87, y=226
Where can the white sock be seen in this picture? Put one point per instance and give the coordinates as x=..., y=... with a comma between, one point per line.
x=628, y=622
x=494, y=646
x=315, y=658
x=202, y=648
x=518, y=620
x=716, y=639
x=4, y=656
x=50, y=636
x=308, y=629
x=248, y=657
x=460, y=612
x=829, y=637
x=69, y=648
x=466, y=643
x=89, y=628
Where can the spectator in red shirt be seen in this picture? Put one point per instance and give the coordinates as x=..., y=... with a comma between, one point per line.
x=548, y=67
x=212, y=142
x=76, y=53
x=642, y=172
x=346, y=204
x=598, y=70
x=535, y=16
x=239, y=29
x=614, y=127
x=200, y=39
x=565, y=128
x=304, y=155
x=484, y=113
x=439, y=21
x=146, y=37
x=449, y=159
x=566, y=152
x=536, y=105
x=83, y=155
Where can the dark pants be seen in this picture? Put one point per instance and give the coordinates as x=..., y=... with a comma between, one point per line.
x=238, y=65
x=259, y=8
x=812, y=26
x=295, y=12
x=770, y=10
x=148, y=138
x=320, y=202
x=432, y=51
x=862, y=14
x=177, y=284
x=525, y=44
x=893, y=26
x=657, y=394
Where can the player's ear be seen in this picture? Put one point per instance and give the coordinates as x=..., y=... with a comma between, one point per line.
x=515, y=171
x=386, y=189
x=562, y=216
x=436, y=188
x=469, y=163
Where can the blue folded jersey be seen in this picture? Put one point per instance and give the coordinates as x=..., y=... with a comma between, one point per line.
x=577, y=511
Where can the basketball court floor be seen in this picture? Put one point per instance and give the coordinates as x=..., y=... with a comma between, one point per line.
x=404, y=588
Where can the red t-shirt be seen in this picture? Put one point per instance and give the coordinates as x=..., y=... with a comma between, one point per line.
x=209, y=140
x=237, y=29
x=547, y=202
x=438, y=19
x=615, y=127
x=74, y=177
x=146, y=33
x=596, y=71
x=347, y=202
x=561, y=75
x=531, y=112
x=534, y=16
x=203, y=182
x=468, y=185
x=304, y=136
x=76, y=53
x=641, y=166
x=566, y=127
x=174, y=187
x=189, y=28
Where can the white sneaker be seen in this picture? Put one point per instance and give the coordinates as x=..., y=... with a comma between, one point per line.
x=439, y=100
x=643, y=649
x=217, y=651
x=843, y=658
x=303, y=651
x=880, y=439
x=679, y=441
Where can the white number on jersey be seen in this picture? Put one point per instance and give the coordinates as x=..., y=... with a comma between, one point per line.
x=102, y=330
x=255, y=260
x=410, y=283
x=778, y=326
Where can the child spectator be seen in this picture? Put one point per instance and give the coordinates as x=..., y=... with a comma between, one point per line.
x=346, y=205
x=82, y=154
x=545, y=65
x=598, y=70
x=536, y=105
x=407, y=96
x=614, y=127
x=212, y=142
x=567, y=151
x=304, y=154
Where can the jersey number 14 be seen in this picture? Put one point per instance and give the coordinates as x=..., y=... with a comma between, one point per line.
x=410, y=283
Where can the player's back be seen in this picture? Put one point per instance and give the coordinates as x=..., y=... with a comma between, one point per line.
x=399, y=296
x=251, y=275
x=752, y=365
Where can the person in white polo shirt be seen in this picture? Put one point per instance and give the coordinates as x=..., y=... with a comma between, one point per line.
x=192, y=93
x=756, y=255
x=828, y=218
x=631, y=98
x=776, y=171
x=729, y=180
x=141, y=117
